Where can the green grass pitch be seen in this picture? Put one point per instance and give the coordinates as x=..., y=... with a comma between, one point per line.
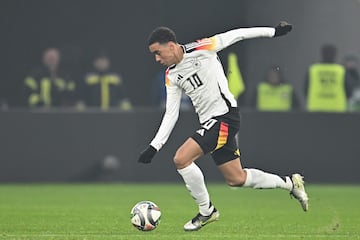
x=102, y=211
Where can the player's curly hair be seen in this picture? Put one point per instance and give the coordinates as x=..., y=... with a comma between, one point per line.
x=162, y=35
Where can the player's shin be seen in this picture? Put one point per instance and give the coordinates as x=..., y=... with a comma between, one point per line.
x=195, y=183
x=259, y=179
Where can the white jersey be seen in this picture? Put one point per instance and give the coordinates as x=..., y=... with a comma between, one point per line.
x=201, y=76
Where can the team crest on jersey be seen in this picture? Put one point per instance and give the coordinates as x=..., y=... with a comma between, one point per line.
x=196, y=63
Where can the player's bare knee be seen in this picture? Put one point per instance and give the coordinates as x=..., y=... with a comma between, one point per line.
x=180, y=161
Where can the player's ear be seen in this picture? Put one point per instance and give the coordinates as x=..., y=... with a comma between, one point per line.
x=172, y=46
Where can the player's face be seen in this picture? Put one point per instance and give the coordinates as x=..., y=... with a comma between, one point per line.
x=164, y=53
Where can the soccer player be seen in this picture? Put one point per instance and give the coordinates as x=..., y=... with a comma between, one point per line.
x=196, y=69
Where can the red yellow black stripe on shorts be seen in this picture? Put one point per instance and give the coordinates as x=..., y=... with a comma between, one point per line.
x=223, y=135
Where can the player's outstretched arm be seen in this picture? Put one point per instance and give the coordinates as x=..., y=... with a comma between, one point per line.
x=223, y=40
x=173, y=99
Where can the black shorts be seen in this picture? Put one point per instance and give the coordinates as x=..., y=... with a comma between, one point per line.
x=217, y=136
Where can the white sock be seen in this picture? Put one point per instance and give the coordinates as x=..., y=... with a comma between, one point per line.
x=195, y=183
x=259, y=179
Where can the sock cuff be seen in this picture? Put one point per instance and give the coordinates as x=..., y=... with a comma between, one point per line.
x=187, y=169
x=249, y=177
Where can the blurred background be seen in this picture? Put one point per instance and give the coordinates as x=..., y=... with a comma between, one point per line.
x=81, y=96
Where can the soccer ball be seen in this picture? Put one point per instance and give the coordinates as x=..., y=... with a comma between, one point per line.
x=145, y=216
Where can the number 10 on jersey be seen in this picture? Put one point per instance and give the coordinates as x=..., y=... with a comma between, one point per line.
x=195, y=81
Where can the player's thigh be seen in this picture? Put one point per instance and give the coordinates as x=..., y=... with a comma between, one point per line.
x=187, y=153
x=227, y=158
x=233, y=172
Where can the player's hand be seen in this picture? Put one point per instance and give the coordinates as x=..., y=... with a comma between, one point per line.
x=282, y=29
x=147, y=155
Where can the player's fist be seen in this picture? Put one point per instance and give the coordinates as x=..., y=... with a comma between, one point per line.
x=147, y=155
x=282, y=29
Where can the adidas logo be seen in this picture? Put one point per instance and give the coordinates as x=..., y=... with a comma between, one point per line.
x=179, y=77
x=201, y=132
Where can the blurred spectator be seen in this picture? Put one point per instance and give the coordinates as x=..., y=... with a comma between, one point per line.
x=105, y=88
x=47, y=85
x=235, y=80
x=351, y=64
x=275, y=94
x=326, y=86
